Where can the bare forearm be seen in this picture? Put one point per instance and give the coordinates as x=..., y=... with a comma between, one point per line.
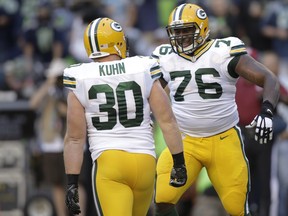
x=260, y=75
x=172, y=137
x=165, y=118
x=271, y=91
x=73, y=156
x=41, y=93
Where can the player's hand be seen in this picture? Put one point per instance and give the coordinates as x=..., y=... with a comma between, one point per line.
x=178, y=176
x=263, y=125
x=72, y=199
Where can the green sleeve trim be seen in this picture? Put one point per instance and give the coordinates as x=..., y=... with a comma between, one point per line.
x=69, y=82
x=232, y=65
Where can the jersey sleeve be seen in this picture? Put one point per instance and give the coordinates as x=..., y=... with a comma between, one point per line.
x=162, y=50
x=150, y=66
x=237, y=47
x=69, y=80
x=233, y=48
x=155, y=71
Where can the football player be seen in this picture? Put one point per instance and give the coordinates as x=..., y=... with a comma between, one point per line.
x=110, y=100
x=201, y=74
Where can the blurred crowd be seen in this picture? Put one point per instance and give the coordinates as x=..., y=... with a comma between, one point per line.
x=39, y=38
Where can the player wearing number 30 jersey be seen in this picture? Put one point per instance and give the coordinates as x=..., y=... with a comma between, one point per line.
x=115, y=96
x=201, y=74
x=110, y=101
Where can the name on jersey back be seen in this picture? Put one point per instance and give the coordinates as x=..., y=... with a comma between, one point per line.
x=112, y=69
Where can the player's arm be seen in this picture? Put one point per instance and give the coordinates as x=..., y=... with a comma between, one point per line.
x=74, y=142
x=257, y=73
x=75, y=137
x=162, y=111
x=162, y=50
x=163, y=82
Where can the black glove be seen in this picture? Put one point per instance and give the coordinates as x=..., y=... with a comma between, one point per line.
x=263, y=123
x=178, y=175
x=72, y=199
x=72, y=196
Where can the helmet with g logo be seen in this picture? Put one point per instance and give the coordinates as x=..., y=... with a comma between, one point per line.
x=103, y=37
x=188, y=28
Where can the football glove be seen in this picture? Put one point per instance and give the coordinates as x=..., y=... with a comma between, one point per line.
x=263, y=124
x=72, y=199
x=178, y=176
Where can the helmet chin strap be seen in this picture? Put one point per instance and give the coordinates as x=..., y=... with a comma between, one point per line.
x=118, y=51
x=190, y=49
x=199, y=42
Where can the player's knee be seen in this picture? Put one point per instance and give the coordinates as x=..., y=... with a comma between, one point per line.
x=234, y=204
x=163, y=196
x=235, y=210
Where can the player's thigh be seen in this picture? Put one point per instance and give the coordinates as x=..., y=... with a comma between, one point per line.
x=116, y=175
x=143, y=188
x=109, y=174
x=166, y=193
x=229, y=171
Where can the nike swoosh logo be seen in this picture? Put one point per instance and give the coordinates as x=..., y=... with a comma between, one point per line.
x=221, y=138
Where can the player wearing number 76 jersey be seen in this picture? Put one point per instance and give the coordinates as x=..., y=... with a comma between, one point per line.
x=111, y=100
x=201, y=74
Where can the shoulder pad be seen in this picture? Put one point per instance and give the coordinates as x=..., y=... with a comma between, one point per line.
x=235, y=46
x=162, y=50
x=72, y=74
x=69, y=80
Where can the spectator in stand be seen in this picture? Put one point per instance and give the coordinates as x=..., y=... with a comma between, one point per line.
x=124, y=11
x=9, y=34
x=146, y=25
x=250, y=15
x=249, y=97
x=49, y=101
x=127, y=13
x=223, y=21
x=280, y=145
x=164, y=8
x=84, y=13
x=20, y=78
x=62, y=18
x=279, y=168
x=275, y=26
x=42, y=40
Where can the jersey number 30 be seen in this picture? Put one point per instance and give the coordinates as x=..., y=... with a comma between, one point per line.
x=109, y=106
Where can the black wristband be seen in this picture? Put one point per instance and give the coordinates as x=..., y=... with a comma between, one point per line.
x=72, y=179
x=178, y=159
x=267, y=108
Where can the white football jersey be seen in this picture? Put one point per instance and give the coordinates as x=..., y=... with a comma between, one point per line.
x=115, y=97
x=202, y=87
